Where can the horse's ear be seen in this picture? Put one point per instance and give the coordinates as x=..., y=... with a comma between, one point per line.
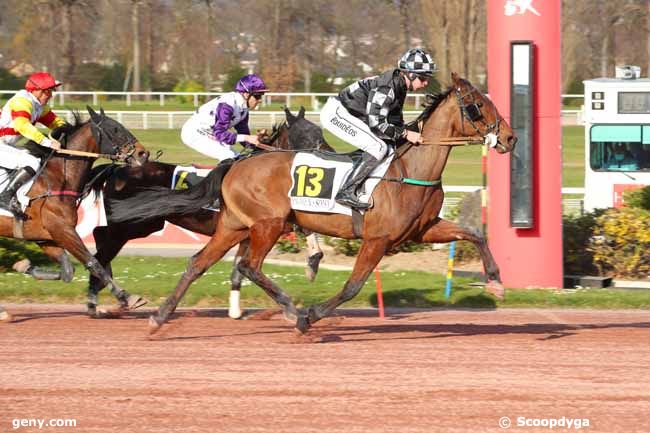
x=456, y=78
x=290, y=117
x=93, y=115
x=101, y=111
x=301, y=113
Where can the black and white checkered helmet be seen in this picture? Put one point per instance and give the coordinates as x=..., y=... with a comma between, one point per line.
x=418, y=61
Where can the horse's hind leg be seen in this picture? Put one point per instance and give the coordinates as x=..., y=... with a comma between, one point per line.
x=369, y=256
x=213, y=251
x=443, y=231
x=57, y=254
x=314, y=255
x=263, y=235
x=236, y=277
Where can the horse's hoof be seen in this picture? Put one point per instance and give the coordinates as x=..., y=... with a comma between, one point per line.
x=91, y=310
x=5, y=317
x=235, y=313
x=134, y=302
x=290, y=315
x=313, y=262
x=302, y=324
x=496, y=288
x=115, y=313
x=22, y=266
x=154, y=325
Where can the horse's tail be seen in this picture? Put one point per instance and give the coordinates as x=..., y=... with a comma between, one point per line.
x=155, y=202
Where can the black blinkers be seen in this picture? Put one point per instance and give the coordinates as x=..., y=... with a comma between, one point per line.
x=111, y=136
x=473, y=111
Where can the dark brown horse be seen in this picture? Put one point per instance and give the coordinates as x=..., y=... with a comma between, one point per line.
x=121, y=183
x=52, y=210
x=256, y=206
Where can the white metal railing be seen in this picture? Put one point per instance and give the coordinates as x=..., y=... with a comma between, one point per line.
x=60, y=97
x=570, y=205
x=258, y=119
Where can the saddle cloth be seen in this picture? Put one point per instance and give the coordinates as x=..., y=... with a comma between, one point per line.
x=5, y=177
x=187, y=176
x=316, y=180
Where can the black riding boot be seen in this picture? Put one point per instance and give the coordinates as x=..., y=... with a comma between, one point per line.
x=347, y=195
x=8, y=200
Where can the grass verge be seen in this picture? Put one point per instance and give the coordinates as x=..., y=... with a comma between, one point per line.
x=155, y=278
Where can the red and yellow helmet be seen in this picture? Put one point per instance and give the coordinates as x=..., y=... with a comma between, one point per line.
x=41, y=81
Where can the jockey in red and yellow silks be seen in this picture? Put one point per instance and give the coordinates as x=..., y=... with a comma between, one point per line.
x=17, y=119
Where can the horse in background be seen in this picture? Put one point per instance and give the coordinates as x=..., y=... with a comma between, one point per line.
x=121, y=183
x=57, y=188
x=259, y=210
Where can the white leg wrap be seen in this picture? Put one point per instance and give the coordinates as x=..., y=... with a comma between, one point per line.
x=312, y=244
x=234, y=312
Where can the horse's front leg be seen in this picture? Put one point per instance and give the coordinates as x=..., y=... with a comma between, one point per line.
x=5, y=317
x=109, y=241
x=444, y=231
x=369, y=256
x=67, y=237
x=212, y=252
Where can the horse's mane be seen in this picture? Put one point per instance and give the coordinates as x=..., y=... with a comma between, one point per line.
x=62, y=133
x=432, y=102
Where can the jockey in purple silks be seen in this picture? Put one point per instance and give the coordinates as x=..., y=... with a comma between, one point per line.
x=207, y=131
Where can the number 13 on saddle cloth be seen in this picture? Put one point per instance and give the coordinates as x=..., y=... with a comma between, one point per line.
x=316, y=179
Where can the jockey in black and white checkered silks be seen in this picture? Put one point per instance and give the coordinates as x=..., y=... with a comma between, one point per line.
x=368, y=115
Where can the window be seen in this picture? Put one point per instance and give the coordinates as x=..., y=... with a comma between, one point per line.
x=620, y=148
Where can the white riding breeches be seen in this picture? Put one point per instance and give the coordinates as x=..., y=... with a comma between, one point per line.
x=201, y=139
x=13, y=158
x=337, y=119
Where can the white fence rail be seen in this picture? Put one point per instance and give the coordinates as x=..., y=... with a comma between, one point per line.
x=162, y=97
x=258, y=119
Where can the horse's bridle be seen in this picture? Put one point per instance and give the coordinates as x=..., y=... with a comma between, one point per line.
x=472, y=112
x=123, y=150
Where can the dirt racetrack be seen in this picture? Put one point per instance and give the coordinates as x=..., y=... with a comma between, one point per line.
x=434, y=371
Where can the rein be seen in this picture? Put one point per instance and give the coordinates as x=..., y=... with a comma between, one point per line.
x=489, y=138
x=79, y=153
x=84, y=154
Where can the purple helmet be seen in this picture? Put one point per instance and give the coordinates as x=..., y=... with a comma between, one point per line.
x=251, y=83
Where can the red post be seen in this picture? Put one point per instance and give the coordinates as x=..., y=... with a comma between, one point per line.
x=528, y=257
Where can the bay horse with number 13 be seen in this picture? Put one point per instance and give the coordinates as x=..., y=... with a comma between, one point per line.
x=120, y=183
x=259, y=209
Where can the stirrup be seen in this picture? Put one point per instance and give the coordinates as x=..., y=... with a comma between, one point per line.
x=351, y=201
x=15, y=208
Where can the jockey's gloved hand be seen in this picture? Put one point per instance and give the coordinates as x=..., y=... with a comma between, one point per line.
x=51, y=143
x=413, y=137
x=252, y=140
